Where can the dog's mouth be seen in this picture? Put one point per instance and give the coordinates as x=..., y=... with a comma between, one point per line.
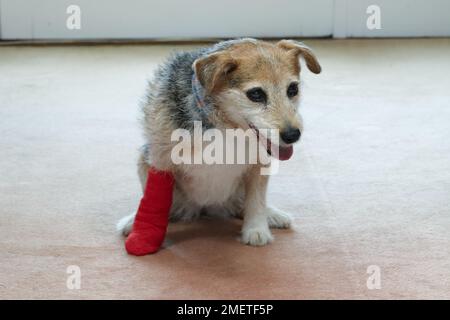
x=280, y=152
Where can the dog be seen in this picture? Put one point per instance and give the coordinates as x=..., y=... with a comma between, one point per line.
x=242, y=83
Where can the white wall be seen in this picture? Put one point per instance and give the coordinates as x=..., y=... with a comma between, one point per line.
x=173, y=19
x=192, y=19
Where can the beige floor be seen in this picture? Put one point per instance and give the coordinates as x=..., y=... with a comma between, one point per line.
x=369, y=184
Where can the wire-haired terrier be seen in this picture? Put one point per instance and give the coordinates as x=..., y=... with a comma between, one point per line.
x=243, y=84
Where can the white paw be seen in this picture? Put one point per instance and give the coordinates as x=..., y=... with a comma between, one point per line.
x=278, y=219
x=258, y=236
x=125, y=224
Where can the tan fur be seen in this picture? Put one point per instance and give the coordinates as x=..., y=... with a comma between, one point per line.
x=273, y=66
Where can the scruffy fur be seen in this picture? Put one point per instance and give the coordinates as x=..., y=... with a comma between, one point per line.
x=225, y=71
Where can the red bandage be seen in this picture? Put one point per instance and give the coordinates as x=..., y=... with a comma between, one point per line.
x=152, y=218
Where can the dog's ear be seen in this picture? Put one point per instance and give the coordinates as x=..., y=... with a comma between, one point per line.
x=212, y=70
x=300, y=49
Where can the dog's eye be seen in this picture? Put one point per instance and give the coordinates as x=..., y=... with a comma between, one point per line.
x=292, y=90
x=257, y=95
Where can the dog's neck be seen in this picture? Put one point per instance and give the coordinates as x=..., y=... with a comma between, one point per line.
x=206, y=108
x=199, y=93
x=202, y=102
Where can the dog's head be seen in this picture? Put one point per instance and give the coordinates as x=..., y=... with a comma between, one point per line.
x=256, y=85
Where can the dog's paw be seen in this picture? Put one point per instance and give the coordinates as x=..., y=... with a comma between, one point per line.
x=278, y=219
x=125, y=225
x=256, y=236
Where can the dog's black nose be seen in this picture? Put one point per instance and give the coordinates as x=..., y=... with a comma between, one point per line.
x=290, y=135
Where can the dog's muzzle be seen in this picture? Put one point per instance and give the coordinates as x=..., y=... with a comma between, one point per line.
x=280, y=152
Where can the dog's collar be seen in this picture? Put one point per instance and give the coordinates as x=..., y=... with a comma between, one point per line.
x=199, y=93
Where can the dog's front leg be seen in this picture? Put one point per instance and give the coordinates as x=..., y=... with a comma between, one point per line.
x=255, y=230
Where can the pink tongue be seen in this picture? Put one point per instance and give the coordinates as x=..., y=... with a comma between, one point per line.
x=283, y=153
